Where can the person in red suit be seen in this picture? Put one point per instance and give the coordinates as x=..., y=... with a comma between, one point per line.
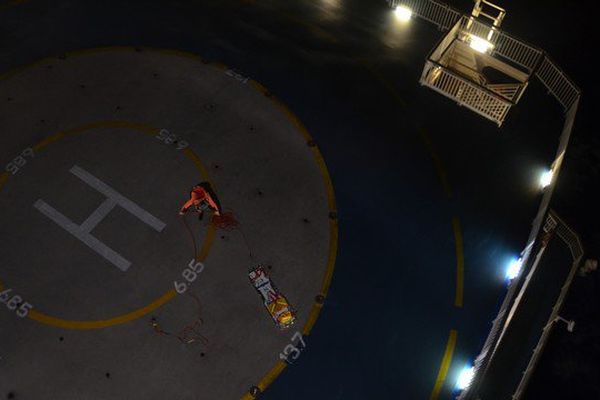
x=202, y=198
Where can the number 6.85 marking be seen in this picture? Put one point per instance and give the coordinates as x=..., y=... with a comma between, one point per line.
x=18, y=162
x=190, y=274
x=16, y=301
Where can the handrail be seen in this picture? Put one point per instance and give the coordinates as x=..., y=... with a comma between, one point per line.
x=433, y=11
x=509, y=91
x=478, y=98
x=557, y=83
x=511, y=48
x=561, y=87
x=573, y=241
x=505, y=45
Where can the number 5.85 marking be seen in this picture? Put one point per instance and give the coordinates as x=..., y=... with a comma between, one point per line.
x=170, y=138
x=190, y=274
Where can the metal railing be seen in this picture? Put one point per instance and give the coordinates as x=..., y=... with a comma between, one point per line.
x=571, y=239
x=499, y=325
x=510, y=91
x=551, y=225
x=464, y=92
x=565, y=137
x=501, y=321
x=510, y=48
x=557, y=83
x=445, y=44
x=444, y=17
x=515, y=50
x=479, y=11
x=535, y=62
x=439, y=14
x=492, y=101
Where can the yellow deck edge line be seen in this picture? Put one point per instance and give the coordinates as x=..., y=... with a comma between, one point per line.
x=3, y=178
x=333, y=228
x=437, y=162
x=460, y=262
x=446, y=360
x=271, y=375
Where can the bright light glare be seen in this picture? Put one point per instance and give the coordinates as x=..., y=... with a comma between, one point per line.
x=480, y=45
x=465, y=378
x=403, y=13
x=546, y=178
x=332, y=4
x=514, y=268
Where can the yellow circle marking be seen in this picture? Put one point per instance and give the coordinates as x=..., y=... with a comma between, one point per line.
x=333, y=224
x=333, y=236
x=121, y=319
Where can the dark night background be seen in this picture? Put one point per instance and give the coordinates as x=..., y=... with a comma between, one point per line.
x=570, y=366
x=318, y=80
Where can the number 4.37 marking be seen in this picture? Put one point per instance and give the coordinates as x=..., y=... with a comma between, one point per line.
x=15, y=301
x=290, y=352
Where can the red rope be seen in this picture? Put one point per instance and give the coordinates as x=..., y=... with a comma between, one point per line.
x=191, y=332
x=228, y=222
x=225, y=221
x=191, y=236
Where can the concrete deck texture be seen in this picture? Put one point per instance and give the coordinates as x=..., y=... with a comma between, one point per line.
x=432, y=200
x=96, y=270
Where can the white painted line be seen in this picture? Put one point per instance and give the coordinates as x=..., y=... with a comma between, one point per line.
x=118, y=198
x=98, y=215
x=76, y=230
x=82, y=232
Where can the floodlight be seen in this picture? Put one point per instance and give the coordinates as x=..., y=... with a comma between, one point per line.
x=479, y=44
x=403, y=13
x=514, y=268
x=465, y=377
x=546, y=178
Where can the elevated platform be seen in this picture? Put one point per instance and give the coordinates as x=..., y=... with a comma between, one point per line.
x=481, y=68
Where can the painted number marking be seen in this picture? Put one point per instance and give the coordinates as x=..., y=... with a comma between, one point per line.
x=19, y=162
x=237, y=75
x=170, y=138
x=290, y=352
x=190, y=274
x=15, y=303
